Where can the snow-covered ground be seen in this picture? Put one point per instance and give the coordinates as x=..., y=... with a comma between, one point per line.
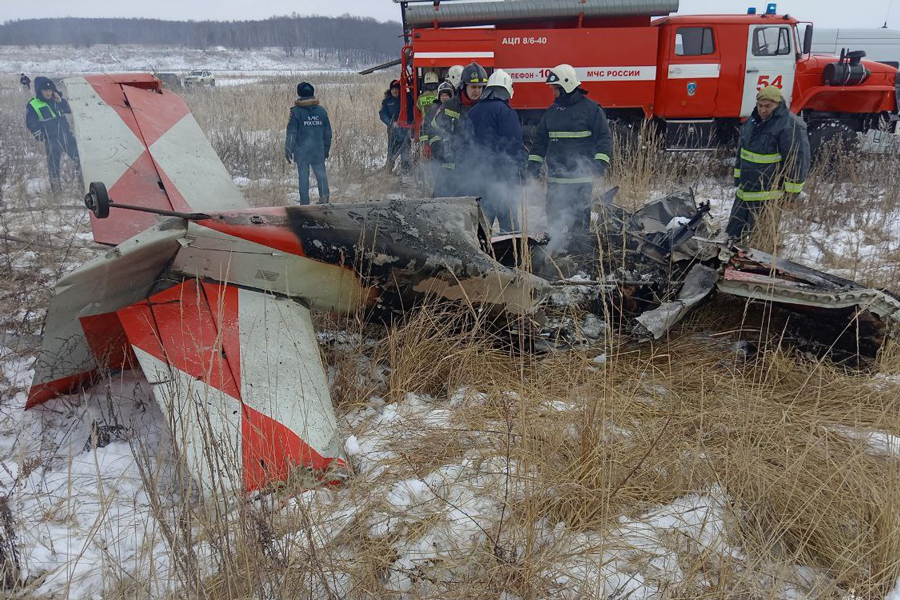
x=66, y=60
x=92, y=499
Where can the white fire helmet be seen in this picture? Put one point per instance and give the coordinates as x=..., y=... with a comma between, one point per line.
x=430, y=77
x=565, y=77
x=500, y=78
x=454, y=75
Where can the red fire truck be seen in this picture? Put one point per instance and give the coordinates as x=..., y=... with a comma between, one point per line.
x=696, y=77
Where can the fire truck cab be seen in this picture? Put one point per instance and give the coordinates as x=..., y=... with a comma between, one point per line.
x=696, y=77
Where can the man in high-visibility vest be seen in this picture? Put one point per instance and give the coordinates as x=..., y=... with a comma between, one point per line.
x=574, y=139
x=772, y=160
x=45, y=118
x=429, y=93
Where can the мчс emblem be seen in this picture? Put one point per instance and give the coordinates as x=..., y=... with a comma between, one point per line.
x=692, y=88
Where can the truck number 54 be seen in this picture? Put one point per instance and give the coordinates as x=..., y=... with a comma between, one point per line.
x=764, y=82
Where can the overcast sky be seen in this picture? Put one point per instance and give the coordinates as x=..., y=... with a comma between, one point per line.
x=861, y=13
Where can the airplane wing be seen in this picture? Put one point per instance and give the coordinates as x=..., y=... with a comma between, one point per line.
x=142, y=142
x=82, y=336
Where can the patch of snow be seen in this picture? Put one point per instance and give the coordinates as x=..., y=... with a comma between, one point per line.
x=676, y=223
x=877, y=443
x=83, y=519
x=102, y=58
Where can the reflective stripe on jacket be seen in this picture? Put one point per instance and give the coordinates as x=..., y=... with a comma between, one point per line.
x=43, y=110
x=773, y=157
x=445, y=133
x=46, y=120
x=425, y=130
x=572, y=136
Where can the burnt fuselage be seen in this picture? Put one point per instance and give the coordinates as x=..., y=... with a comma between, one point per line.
x=346, y=257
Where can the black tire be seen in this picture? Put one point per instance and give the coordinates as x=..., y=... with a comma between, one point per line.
x=838, y=136
x=97, y=200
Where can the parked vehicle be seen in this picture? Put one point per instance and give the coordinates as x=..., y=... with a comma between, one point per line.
x=170, y=80
x=695, y=77
x=201, y=77
x=881, y=45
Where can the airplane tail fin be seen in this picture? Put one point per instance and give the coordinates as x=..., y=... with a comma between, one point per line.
x=141, y=141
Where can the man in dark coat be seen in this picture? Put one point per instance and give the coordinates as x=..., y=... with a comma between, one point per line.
x=772, y=160
x=45, y=118
x=497, y=152
x=574, y=139
x=308, y=141
x=448, y=141
x=25, y=80
x=445, y=91
x=397, y=136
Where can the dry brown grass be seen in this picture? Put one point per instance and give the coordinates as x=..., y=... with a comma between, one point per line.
x=246, y=125
x=651, y=425
x=763, y=426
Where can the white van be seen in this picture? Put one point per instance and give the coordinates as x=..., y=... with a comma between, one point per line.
x=881, y=45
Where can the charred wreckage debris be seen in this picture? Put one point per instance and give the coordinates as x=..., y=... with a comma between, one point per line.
x=211, y=298
x=656, y=265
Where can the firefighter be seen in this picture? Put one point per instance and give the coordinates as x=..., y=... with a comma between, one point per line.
x=453, y=75
x=497, y=151
x=444, y=93
x=429, y=92
x=574, y=139
x=308, y=141
x=447, y=136
x=397, y=136
x=772, y=160
x=45, y=118
x=25, y=80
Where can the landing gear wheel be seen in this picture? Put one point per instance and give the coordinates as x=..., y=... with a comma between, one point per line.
x=97, y=200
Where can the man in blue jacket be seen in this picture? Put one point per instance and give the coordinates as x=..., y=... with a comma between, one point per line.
x=397, y=135
x=45, y=118
x=308, y=141
x=497, y=151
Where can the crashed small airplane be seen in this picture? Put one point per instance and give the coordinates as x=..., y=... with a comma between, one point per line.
x=664, y=260
x=211, y=298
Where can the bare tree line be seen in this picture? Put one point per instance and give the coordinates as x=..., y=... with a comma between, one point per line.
x=359, y=39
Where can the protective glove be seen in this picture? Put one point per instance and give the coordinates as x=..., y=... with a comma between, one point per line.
x=533, y=170
x=288, y=156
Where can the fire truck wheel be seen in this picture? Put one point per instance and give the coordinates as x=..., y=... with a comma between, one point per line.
x=834, y=137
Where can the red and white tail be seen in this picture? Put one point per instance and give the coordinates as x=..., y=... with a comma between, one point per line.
x=142, y=142
x=239, y=375
x=237, y=372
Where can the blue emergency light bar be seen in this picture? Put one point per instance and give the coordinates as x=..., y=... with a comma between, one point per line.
x=772, y=8
x=751, y=10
